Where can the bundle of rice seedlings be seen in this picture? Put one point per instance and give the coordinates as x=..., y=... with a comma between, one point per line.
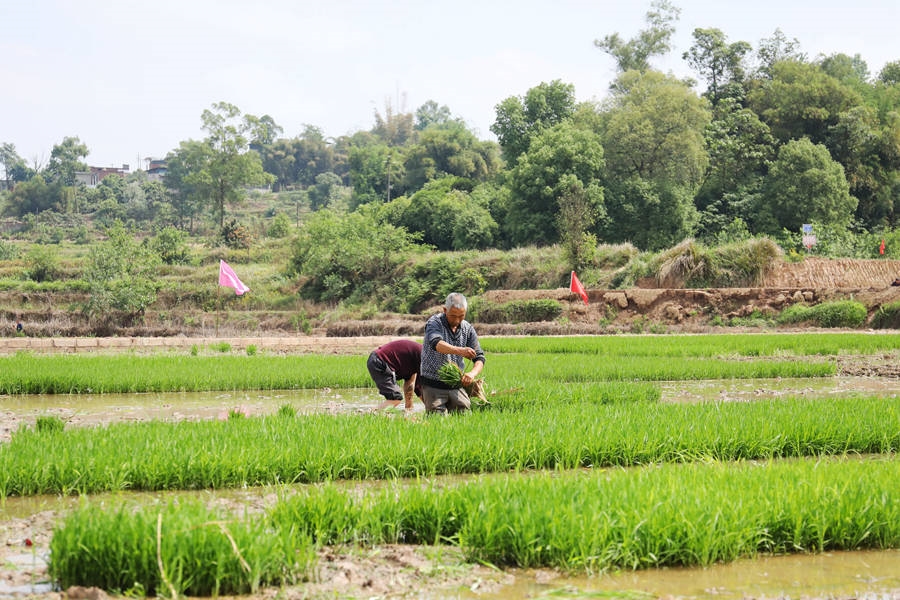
x=450, y=374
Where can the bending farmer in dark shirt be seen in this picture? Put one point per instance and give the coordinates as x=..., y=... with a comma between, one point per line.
x=392, y=362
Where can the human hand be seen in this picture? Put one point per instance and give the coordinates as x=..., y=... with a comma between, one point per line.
x=467, y=352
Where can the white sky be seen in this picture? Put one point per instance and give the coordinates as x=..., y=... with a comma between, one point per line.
x=131, y=79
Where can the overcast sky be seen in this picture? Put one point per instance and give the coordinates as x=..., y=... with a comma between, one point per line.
x=131, y=79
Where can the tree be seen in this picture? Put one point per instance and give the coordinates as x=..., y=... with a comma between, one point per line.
x=520, y=119
x=395, y=127
x=655, y=40
x=12, y=163
x=65, y=160
x=800, y=100
x=652, y=215
x=35, y=196
x=719, y=63
x=575, y=219
x=740, y=149
x=449, y=149
x=184, y=178
x=326, y=192
x=265, y=131
x=558, y=158
x=431, y=114
x=373, y=167
x=851, y=70
x=869, y=151
x=805, y=185
x=223, y=165
x=447, y=217
x=655, y=130
x=890, y=73
x=777, y=49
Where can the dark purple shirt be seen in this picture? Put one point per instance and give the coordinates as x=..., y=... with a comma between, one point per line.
x=402, y=356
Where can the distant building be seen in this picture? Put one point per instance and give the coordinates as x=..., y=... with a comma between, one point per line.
x=95, y=175
x=156, y=169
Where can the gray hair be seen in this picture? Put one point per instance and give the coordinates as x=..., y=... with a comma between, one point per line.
x=456, y=300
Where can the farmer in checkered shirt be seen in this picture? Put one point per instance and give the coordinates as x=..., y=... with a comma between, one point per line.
x=449, y=337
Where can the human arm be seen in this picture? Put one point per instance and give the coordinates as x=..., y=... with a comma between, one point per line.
x=464, y=351
x=409, y=387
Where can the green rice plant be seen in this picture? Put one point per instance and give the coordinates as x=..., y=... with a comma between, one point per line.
x=49, y=424
x=128, y=373
x=286, y=411
x=585, y=520
x=521, y=370
x=251, y=350
x=223, y=347
x=650, y=517
x=707, y=345
x=554, y=433
x=178, y=549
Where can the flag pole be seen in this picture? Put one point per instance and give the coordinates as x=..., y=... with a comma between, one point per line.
x=218, y=309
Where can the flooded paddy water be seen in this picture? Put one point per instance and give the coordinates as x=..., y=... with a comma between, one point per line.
x=26, y=523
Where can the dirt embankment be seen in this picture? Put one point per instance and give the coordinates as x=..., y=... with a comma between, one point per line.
x=646, y=308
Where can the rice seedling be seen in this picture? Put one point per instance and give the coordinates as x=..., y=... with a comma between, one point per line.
x=49, y=424
x=551, y=434
x=589, y=521
x=179, y=549
x=75, y=374
x=707, y=345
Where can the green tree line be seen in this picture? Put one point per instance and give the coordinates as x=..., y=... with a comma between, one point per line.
x=764, y=140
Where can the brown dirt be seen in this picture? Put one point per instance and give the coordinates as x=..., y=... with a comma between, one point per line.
x=645, y=308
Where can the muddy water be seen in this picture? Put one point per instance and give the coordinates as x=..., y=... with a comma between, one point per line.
x=859, y=575
x=86, y=409
x=93, y=409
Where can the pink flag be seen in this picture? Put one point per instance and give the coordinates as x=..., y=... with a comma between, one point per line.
x=576, y=288
x=228, y=278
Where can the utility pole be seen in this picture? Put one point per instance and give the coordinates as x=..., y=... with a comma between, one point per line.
x=388, y=169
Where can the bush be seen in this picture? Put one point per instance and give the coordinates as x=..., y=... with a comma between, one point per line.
x=42, y=263
x=887, y=316
x=8, y=250
x=170, y=245
x=842, y=313
x=280, y=226
x=517, y=311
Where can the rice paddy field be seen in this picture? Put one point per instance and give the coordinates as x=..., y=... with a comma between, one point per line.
x=597, y=459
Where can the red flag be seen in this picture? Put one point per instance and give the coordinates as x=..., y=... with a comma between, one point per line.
x=881, y=247
x=228, y=278
x=577, y=288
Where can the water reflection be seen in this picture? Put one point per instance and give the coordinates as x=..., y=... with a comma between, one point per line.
x=864, y=574
x=92, y=409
